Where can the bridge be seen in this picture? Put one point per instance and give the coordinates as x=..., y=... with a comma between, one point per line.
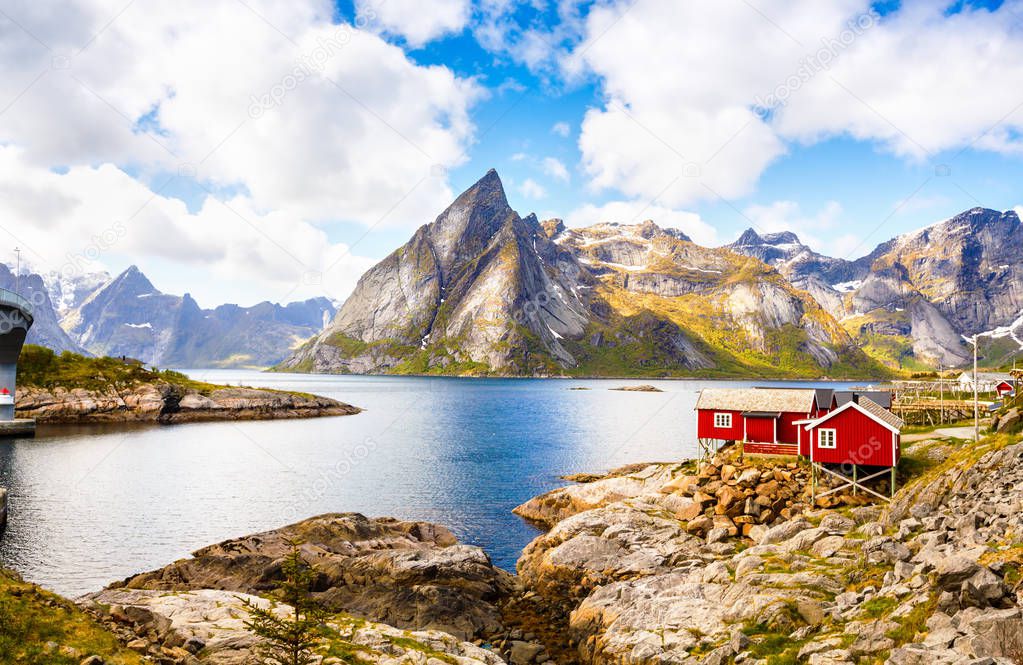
x=16, y=318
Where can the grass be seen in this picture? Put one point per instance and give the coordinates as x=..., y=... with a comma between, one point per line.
x=42, y=628
x=40, y=367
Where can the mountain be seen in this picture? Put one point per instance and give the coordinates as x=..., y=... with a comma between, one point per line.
x=46, y=330
x=128, y=316
x=483, y=290
x=910, y=301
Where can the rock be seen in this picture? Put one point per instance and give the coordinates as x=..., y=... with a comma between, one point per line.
x=560, y=504
x=524, y=653
x=983, y=589
x=217, y=619
x=165, y=402
x=92, y=660
x=410, y=575
x=871, y=636
x=835, y=523
x=951, y=571
x=828, y=546
x=884, y=549
x=784, y=531
x=996, y=633
x=645, y=388
x=1008, y=421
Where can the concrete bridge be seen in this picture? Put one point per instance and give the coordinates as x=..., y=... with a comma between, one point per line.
x=15, y=321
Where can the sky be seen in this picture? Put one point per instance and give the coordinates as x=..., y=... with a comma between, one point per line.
x=249, y=150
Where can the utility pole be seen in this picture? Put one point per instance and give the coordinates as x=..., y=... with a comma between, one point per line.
x=976, y=396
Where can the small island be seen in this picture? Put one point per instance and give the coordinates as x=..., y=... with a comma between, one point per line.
x=71, y=388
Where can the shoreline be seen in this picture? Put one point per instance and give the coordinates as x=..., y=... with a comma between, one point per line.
x=165, y=403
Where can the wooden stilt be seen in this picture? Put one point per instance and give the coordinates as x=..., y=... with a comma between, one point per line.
x=854, y=484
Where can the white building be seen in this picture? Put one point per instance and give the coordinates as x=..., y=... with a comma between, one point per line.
x=986, y=381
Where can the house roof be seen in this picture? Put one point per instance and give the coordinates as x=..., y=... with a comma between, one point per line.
x=880, y=397
x=985, y=376
x=785, y=400
x=866, y=406
x=824, y=397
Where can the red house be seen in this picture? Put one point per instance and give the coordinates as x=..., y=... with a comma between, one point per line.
x=860, y=433
x=764, y=418
x=1004, y=388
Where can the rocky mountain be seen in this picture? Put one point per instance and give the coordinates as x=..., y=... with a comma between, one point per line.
x=46, y=330
x=910, y=301
x=128, y=316
x=483, y=290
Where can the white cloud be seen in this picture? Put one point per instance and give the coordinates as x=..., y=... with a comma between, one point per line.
x=562, y=129
x=532, y=189
x=915, y=82
x=556, y=169
x=635, y=212
x=293, y=121
x=417, y=23
x=519, y=156
x=323, y=120
x=224, y=252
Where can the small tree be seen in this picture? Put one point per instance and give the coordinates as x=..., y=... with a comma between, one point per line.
x=289, y=639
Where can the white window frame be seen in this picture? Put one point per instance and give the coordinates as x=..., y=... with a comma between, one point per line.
x=722, y=421
x=820, y=439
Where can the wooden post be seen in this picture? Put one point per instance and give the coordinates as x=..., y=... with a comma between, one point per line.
x=854, y=491
x=893, y=482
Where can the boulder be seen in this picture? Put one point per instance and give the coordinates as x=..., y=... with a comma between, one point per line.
x=410, y=575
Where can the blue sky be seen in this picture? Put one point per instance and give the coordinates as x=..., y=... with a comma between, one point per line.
x=186, y=144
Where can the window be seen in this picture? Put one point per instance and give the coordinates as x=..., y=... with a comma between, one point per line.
x=827, y=438
x=723, y=420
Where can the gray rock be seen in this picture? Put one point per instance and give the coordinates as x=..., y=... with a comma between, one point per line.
x=524, y=653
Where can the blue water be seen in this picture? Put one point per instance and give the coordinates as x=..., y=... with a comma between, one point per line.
x=95, y=504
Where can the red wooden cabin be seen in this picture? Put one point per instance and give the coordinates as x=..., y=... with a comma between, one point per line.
x=764, y=418
x=859, y=432
x=1004, y=388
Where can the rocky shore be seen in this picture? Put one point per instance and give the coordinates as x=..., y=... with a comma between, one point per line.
x=170, y=403
x=727, y=561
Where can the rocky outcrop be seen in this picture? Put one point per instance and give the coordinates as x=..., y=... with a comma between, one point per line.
x=933, y=578
x=170, y=403
x=208, y=626
x=413, y=575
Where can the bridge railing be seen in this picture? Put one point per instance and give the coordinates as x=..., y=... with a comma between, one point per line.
x=12, y=299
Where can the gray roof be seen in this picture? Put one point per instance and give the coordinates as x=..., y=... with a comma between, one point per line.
x=787, y=400
x=881, y=413
x=881, y=397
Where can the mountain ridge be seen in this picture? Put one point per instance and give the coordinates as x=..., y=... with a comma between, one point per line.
x=482, y=290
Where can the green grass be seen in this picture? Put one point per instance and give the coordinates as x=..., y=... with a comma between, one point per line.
x=31, y=618
x=40, y=367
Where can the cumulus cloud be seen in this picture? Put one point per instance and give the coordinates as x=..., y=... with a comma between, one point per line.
x=288, y=120
x=531, y=189
x=746, y=83
x=417, y=23
x=325, y=120
x=635, y=212
x=226, y=251
x=556, y=169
